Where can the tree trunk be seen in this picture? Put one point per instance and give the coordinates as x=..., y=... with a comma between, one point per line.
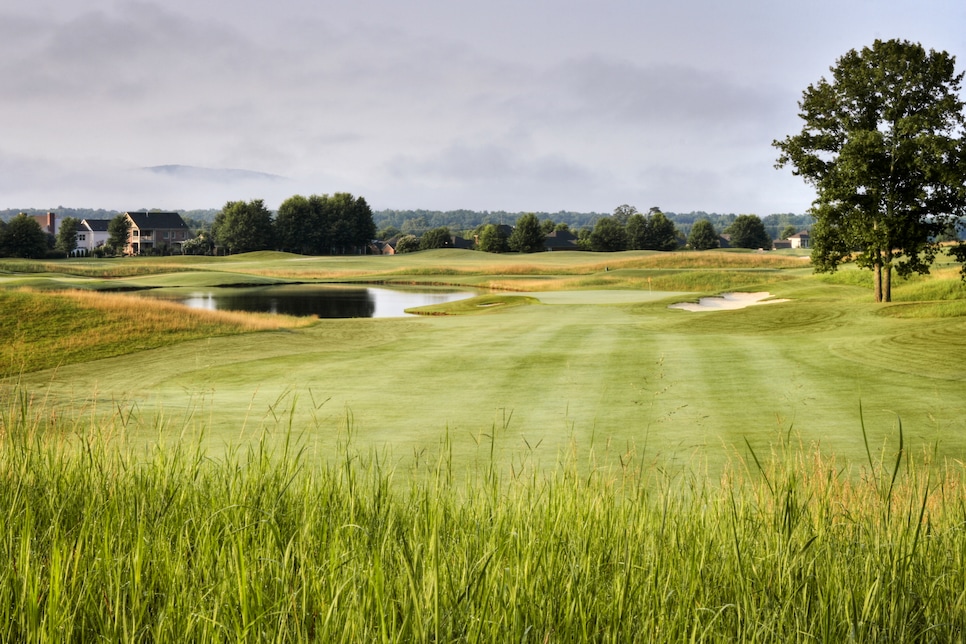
x=887, y=284
x=877, y=281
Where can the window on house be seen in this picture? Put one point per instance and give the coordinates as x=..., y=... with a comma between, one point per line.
x=136, y=232
x=81, y=237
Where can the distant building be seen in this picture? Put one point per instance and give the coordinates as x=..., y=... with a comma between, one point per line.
x=91, y=234
x=560, y=240
x=48, y=222
x=155, y=232
x=799, y=240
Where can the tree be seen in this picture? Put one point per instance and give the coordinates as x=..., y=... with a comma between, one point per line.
x=244, y=227
x=493, y=239
x=527, y=236
x=118, y=232
x=407, y=244
x=608, y=236
x=702, y=236
x=787, y=232
x=748, y=231
x=663, y=232
x=883, y=146
x=23, y=237
x=296, y=227
x=623, y=213
x=638, y=231
x=67, y=235
x=435, y=238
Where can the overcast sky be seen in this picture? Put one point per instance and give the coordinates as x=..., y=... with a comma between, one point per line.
x=522, y=105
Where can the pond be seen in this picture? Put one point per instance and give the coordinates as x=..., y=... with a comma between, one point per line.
x=312, y=300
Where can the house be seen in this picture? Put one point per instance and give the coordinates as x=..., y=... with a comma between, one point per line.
x=799, y=240
x=724, y=241
x=91, y=234
x=779, y=244
x=155, y=232
x=48, y=223
x=560, y=240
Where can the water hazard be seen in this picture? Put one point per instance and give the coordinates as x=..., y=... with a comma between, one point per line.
x=318, y=301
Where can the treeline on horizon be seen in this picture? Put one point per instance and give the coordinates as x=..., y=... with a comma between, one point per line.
x=419, y=221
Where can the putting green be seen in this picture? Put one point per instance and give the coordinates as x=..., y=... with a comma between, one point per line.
x=615, y=371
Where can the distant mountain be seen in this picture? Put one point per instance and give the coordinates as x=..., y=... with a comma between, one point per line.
x=212, y=175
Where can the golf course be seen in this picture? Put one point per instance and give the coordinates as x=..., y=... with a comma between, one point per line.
x=563, y=455
x=557, y=350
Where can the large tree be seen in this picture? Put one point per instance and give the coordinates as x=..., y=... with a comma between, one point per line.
x=748, y=231
x=608, y=236
x=67, y=235
x=118, y=232
x=527, y=236
x=23, y=237
x=703, y=236
x=323, y=224
x=493, y=239
x=883, y=146
x=653, y=232
x=244, y=227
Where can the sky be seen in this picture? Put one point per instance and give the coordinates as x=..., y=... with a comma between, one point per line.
x=524, y=105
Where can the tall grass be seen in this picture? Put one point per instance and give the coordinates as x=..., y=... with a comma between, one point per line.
x=43, y=330
x=104, y=542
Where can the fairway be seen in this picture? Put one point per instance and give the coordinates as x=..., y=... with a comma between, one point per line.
x=608, y=374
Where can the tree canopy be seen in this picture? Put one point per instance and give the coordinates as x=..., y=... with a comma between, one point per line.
x=527, y=236
x=243, y=227
x=23, y=237
x=653, y=232
x=67, y=235
x=118, y=231
x=882, y=143
x=608, y=235
x=748, y=231
x=702, y=236
x=323, y=224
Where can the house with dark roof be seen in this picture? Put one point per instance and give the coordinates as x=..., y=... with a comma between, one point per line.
x=560, y=240
x=91, y=234
x=155, y=232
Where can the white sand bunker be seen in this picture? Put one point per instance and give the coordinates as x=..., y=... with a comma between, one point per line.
x=726, y=302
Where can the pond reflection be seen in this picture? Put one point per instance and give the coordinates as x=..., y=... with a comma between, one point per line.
x=318, y=301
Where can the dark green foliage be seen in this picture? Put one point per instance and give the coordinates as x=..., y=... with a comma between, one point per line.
x=244, y=227
x=654, y=232
x=748, y=231
x=883, y=145
x=702, y=236
x=493, y=239
x=117, y=234
x=23, y=237
x=407, y=244
x=436, y=238
x=67, y=235
x=608, y=236
x=324, y=225
x=527, y=236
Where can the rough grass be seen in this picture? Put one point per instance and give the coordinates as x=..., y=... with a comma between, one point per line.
x=101, y=542
x=40, y=331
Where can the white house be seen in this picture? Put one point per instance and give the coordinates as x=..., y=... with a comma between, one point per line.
x=91, y=234
x=799, y=240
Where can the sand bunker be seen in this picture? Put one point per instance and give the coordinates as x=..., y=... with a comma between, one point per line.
x=726, y=302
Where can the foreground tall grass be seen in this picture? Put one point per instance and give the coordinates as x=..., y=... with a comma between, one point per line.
x=101, y=542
